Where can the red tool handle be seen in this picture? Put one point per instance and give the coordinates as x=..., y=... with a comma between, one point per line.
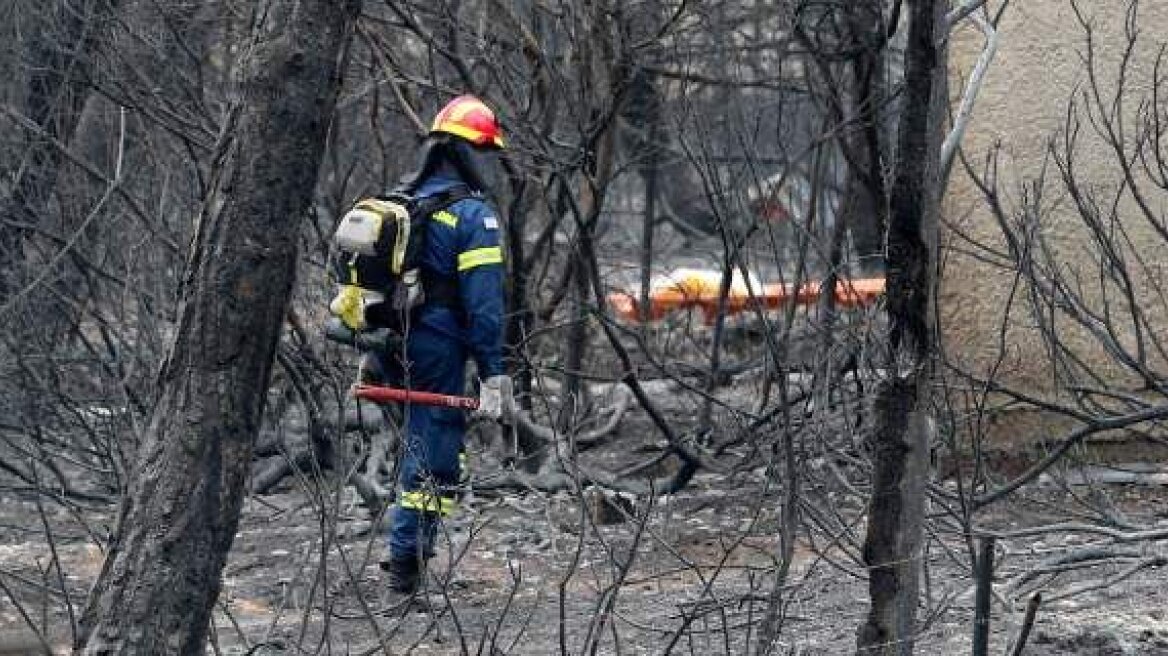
x=382, y=394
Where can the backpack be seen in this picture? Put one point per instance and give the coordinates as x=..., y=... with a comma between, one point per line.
x=377, y=248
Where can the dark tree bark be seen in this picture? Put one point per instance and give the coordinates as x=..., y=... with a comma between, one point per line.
x=519, y=312
x=643, y=113
x=176, y=525
x=862, y=102
x=901, y=411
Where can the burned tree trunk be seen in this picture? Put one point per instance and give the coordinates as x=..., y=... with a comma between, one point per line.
x=862, y=107
x=901, y=414
x=176, y=525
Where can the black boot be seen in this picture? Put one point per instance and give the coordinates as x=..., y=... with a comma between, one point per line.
x=405, y=573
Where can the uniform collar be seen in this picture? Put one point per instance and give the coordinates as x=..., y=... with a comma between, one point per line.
x=442, y=179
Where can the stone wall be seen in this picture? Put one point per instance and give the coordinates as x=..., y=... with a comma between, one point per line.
x=1022, y=108
x=988, y=320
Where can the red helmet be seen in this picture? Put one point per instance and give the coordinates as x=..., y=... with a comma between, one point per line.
x=469, y=118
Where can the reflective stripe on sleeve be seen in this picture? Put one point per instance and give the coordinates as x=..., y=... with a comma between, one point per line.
x=480, y=256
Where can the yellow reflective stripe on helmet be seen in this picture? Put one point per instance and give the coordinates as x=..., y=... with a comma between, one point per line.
x=445, y=218
x=423, y=501
x=459, y=130
x=480, y=256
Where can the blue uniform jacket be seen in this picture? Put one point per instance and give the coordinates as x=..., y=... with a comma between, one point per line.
x=462, y=242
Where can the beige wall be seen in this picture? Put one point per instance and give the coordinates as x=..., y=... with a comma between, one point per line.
x=1022, y=106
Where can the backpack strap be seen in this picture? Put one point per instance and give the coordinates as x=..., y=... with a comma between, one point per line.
x=441, y=290
x=441, y=200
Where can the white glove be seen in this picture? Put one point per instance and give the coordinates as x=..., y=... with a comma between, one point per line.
x=496, y=401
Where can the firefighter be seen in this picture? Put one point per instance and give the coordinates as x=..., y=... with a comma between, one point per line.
x=462, y=318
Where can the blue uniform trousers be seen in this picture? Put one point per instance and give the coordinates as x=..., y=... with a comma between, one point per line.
x=429, y=472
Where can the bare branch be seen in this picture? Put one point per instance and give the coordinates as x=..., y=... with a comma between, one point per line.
x=968, y=98
x=960, y=12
